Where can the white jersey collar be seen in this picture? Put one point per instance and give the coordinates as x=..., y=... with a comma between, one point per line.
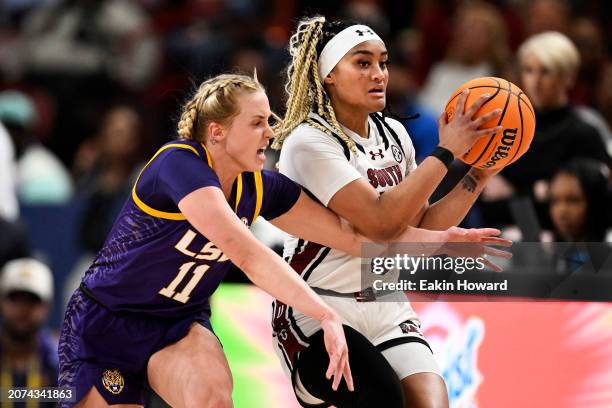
x=373, y=140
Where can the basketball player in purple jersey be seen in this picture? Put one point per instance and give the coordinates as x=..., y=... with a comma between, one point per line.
x=142, y=310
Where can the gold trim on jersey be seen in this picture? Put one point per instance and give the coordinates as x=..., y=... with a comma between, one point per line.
x=179, y=216
x=238, y=191
x=152, y=211
x=208, y=158
x=259, y=193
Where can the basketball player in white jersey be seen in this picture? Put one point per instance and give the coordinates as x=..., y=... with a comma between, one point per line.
x=338, y=145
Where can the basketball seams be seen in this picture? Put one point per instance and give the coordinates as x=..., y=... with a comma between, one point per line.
x=527, y=103
x=475, y=87
x=518, y=149
x=489, y=86
x=501, y=118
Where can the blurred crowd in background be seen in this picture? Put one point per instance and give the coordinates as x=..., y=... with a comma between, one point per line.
x=89, y=89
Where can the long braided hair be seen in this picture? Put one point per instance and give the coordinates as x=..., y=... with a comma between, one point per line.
x=214, y=101
x=304, y=89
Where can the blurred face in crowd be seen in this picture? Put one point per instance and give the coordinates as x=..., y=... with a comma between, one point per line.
x=23, y=315
x=248, y=133
x=568, y=207
x=472, y=37
x=547, y=15
x=121, y=132
x=359, y=80
x=589, y=39
x=546, y=88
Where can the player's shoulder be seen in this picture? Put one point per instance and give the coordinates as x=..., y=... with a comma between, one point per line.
x=399, y=129
x=182, y=145
x=306, y=132
x=396, y=125
x=181, y=150
x=310, y=138
x=272, y=179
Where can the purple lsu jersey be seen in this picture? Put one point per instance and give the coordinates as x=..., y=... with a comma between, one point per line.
x=154, y=261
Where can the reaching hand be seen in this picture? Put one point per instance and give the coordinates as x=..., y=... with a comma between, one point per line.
x=460, y=133
x=335, y=344
x=473, y=243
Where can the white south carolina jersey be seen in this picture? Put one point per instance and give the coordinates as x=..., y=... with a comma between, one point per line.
x=319, y=163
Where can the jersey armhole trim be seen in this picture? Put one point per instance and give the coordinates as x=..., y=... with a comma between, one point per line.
x=152, y=211
x=238, y=191
x=259, y=194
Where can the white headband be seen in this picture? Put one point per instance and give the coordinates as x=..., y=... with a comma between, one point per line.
x=340, y=44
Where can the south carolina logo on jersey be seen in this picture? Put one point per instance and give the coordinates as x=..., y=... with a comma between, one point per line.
x=397, y=153
x=113, y=381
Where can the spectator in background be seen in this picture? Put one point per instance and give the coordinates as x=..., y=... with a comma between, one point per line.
x=419, y=121
x=549, y=62
x=40, y=177
x=85, y=53
x=479, y=47
x=588, y=36
x=579, y=202
x=547, y=15
x=9, y=209
x=604, y=98
x=84, y=37
x=105, y=167
x=13, y=241
x=13, y=237
x=580, y=213
x=28, y=353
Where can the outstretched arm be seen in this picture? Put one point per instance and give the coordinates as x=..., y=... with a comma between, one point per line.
x=311, y=221
x=207, y=210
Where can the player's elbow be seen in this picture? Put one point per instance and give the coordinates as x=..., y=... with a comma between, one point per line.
x=380, y=229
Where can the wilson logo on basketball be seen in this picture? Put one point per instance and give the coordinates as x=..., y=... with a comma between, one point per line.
x=502, y=151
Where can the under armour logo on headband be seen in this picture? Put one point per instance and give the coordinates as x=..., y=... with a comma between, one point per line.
x=361, y=33
x=340, y=44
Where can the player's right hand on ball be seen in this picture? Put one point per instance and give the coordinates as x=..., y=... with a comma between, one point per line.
x=335, y=344
x=463, y=130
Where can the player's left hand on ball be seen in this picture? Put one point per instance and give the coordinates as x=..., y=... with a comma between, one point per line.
x=335, y=344
x=476, y=242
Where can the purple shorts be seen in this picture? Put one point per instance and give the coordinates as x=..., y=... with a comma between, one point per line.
x=111, y=350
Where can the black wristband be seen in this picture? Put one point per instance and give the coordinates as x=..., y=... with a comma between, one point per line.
x=444, y=155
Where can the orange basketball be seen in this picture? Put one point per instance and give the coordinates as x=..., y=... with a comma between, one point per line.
x=517, y=120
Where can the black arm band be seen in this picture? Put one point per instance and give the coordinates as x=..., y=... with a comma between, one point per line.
x=444, y=155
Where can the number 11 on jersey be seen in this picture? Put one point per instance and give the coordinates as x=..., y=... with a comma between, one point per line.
x=183, y=296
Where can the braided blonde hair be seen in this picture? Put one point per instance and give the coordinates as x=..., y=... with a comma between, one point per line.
x=304, y=89
x=214, y=101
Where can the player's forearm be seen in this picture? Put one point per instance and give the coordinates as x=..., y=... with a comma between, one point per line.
x=452, y=208
x=311, y=221
x=269, y=272
x=402, y=204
